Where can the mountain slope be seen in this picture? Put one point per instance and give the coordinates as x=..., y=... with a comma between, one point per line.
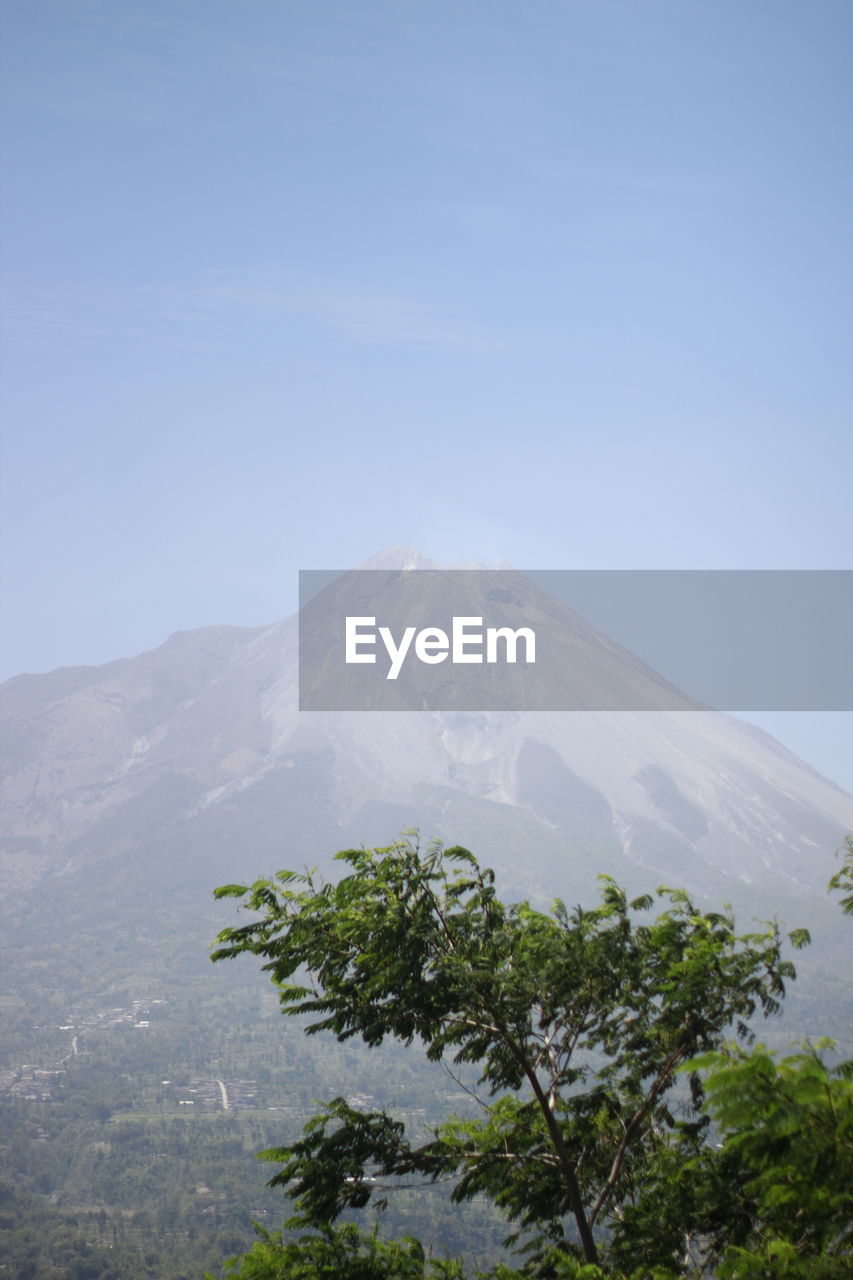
x=198, y=748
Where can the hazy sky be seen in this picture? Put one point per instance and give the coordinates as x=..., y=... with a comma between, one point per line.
x=566, y=284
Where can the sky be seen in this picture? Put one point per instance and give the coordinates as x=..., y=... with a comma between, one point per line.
x=563, y=285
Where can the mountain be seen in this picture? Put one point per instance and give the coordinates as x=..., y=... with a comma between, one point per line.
x=194, y=759
x=137, y=1080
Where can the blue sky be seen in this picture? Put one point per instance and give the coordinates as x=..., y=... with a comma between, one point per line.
x=562, y=284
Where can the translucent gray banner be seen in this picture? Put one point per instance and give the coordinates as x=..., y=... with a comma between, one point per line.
x=569, y=640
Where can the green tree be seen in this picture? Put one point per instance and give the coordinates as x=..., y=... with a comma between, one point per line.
x=843, y=879
x=578, y=1021
x=337, y=1252
x=789, y=1125
x=787, y=1154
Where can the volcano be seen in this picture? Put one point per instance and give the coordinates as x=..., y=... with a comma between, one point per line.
x=137, y=786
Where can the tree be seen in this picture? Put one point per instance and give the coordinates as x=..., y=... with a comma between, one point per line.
x=579, y=1022
x=789, y=1125
x=336, y=1252
x=843, y=879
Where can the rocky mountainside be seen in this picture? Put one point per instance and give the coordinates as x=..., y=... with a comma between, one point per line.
x=195, y=757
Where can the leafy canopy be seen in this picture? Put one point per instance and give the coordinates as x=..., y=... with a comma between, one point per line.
x=579, y=1021
x=788, y=1124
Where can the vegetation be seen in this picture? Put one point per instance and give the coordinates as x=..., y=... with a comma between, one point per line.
x=107, y=1174
x=111, y=1176
x=613, y=1126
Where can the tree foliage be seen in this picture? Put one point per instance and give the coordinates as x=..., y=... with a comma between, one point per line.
x=585, y=1026
x=336, y=1252
x=789, y=1124
x=843, y=879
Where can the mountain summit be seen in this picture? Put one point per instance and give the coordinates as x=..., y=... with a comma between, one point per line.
x=399, y=557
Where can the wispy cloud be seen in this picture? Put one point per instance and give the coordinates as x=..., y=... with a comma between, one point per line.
x=201, y=311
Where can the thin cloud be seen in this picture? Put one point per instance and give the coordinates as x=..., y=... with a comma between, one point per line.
x=205, y=309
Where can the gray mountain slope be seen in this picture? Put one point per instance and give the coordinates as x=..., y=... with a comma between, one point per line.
x=207, y=724
x=131, y=790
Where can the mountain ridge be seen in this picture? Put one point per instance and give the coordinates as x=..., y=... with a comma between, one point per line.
x=207, y=723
